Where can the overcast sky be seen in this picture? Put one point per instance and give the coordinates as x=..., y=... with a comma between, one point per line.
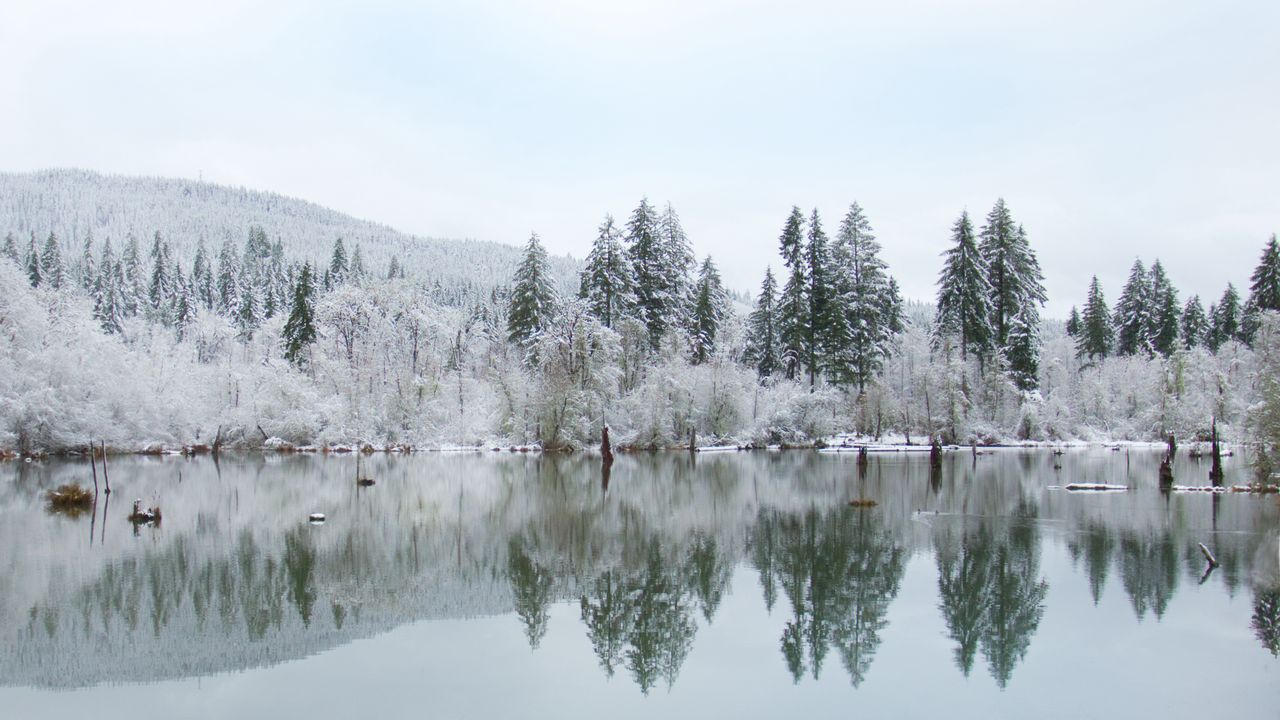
x=1112, y=129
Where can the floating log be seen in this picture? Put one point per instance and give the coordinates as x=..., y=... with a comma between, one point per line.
x=862, y=503
x=1095, y=487
x=1208, y=555
x=315, y=518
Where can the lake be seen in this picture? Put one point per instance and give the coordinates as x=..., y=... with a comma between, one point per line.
x=711, y=585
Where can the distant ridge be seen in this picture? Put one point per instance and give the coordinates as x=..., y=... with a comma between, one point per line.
x=73, y=203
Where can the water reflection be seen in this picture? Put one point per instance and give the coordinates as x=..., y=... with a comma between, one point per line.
x=646, y=555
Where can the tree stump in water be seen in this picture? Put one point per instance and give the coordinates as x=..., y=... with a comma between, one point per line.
x=606, y=450
x=1215, y=472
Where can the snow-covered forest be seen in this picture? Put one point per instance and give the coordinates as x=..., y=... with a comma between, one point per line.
x=134, y=314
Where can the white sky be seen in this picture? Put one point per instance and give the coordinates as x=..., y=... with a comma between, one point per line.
x=1112, y=129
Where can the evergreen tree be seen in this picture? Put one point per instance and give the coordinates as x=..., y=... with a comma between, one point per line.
x=202, y=286
x=1224, y=319
x=338, y=267
x=108, y=304
x=1073, y=322
x=11, y=250
x=53, y=272
x=34, y=275
x=606, y=282
x=133, y=286
x=88, y=268
x=228, y=283
x=533, y=298
x=1012, y=271
x=793, y=304
x=964, y=293
x=762, y=329
x=710, y=306
x=645, y=249
x=1095, y=338
x=678, y=263
x=1165, y=312
x=1265, y=288
x=160, y=291
x=248, y=309
x=183, y=309
x=1133, y=314
x=1194, y=323
x=300, y=330
x=818, y=325
x=1023, y=349
x=357, y=264
x=393, y=268
x=861, y=336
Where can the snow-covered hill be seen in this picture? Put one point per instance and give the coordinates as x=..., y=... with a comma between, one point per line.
x=74, y=203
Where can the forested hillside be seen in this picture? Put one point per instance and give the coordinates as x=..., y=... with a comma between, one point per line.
x=209, y=323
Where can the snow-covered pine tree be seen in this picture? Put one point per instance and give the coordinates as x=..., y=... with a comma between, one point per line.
x=1022, y=351
x=228, y=282
x=678, y=262
x=1194, y=325
x=160, y=290
x=649, y=270
x=1165, y=312
x=964, y=294
x=108, y=306
x=869, y=307
x=393, y=268
x=818, y=324
x=88, y=267
x=248, y=308
x=1017, y=285
x=1133, y=313
x=53, y=272
x=1264, y=292
x=182, y=310
x=300, y=330
x=606, y=284
x=357, y=264
x=338, y=267
x=11, y=249
x=1096, y=338
x=793, y=304
x=134, y=286
x=533, y=299
x=34, y=274
x=1265, y=281
x=710, y=306
x=1224, y=319
x=762, y=329
x=202, y=286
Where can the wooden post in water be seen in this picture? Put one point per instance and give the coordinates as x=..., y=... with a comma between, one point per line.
x=935, y=453
x=1215, y=472
x=1166, y=465
x=93, y=465
x=105, y=478
x=693, y=440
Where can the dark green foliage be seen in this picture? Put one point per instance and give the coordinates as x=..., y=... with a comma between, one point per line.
x=338, y=266
x=300, y=330
x=53, y=273
x=532, y=297
x=864, y=318
x=1095, y=338
x=793, y=305
x=1194, y=325
x=1165, y=312
x=711, y=305
x=1022, y=351
x=818, y=292
x=34, y=275
x=762, y=329
x=1224, y=319
x=1073, y=322
x=607, y=284
x=1265, y=287
x=645, y=250
x=1012, y=271
x=964, y=293
x=1133, y=314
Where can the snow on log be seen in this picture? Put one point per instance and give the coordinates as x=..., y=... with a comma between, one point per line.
x=1095, y=487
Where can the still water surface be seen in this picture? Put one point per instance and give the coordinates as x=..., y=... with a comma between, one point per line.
x=719, y=585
